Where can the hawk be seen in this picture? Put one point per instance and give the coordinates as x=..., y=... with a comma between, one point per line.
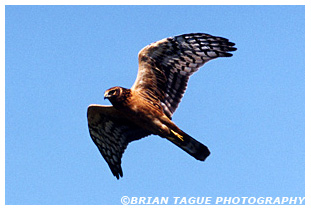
x=147, y=107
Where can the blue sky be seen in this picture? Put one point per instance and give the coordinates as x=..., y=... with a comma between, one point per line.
x=248, y=109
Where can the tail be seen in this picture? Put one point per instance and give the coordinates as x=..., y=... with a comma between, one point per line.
x=194, y=148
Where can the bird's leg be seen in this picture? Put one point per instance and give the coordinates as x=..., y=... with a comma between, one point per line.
x=177, y=135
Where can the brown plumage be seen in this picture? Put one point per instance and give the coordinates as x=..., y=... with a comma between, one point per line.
x=164, y=69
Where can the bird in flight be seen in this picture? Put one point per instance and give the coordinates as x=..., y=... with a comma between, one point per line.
x=147, y=107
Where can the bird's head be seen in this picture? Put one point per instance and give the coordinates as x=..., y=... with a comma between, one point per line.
x=118, y=96
x=113, y=93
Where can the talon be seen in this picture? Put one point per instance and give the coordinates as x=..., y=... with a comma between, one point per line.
x=178, y=135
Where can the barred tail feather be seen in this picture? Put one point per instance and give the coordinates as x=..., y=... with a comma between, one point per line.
x=194, y=148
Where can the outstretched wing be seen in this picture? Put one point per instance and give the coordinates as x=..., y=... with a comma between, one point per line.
x=166, y=65
x=111, y=133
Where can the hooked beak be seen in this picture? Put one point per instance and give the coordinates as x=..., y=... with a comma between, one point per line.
x=106, y=95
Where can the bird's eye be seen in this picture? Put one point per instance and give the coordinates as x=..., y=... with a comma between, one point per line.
x=113, y=92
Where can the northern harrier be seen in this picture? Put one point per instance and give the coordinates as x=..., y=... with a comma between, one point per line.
x=147, y=108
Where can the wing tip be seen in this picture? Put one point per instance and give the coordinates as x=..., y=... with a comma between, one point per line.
x=226, y=52
x=116, y=169
x=118, y=173
x=224, y=43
